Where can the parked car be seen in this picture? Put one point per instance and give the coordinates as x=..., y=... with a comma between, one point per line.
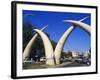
x=86, y=61
x=83, y=61
x=78, y=60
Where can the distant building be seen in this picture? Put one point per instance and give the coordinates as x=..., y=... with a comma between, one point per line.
x=75, y=54
x=71, y=54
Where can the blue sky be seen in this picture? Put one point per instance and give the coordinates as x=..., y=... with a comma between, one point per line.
x=78, y=40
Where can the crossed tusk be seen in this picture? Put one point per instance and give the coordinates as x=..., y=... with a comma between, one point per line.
x=64, y=37
x=84, y=26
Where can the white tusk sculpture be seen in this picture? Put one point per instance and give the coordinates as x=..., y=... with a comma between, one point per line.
x=62, y=40
x=60, y=44
x=28, y=48
x=84, y=26
x=48, y=48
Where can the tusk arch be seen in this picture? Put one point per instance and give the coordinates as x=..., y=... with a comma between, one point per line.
x=64, y=37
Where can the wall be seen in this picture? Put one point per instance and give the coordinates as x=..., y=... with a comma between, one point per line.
x=5, y=40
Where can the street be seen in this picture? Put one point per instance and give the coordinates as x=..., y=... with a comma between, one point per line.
x=75, y=64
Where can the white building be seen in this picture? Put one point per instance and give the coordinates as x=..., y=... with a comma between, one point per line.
x=75, y=53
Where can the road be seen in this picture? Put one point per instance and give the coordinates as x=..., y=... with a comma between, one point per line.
x=43, y=65
x=74, y=64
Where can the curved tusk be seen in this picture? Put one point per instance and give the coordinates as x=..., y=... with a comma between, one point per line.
x=60, y=44
x=28, y=48
x=84, y=26
x=48, y=47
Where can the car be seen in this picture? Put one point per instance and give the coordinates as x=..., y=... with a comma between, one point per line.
x=86, y=61
x=83, y=61
x=78, y=60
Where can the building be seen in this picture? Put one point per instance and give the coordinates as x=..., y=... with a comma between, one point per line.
x=75, y=54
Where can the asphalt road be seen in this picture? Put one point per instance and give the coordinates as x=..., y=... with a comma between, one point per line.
x=43, y=65
x=75, y=64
